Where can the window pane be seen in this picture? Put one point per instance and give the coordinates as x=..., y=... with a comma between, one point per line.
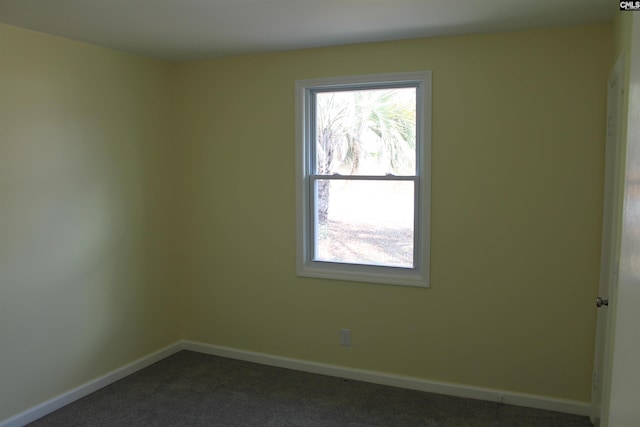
x=366, y=132
x=365, y=222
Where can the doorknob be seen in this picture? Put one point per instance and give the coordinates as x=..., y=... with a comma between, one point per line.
x=600, y=302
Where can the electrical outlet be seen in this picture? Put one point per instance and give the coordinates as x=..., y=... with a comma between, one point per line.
x=345, y=337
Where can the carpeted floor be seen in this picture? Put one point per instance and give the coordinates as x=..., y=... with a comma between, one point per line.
x=193, y=389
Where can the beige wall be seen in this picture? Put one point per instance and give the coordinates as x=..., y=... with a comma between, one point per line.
x=518, y=133
x=86, y=282
x=140, y=197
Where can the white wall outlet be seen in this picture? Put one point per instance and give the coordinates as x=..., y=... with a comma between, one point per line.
x=345, y=337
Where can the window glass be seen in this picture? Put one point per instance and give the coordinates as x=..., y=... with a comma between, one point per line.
x=366, y=132
x=366, y=222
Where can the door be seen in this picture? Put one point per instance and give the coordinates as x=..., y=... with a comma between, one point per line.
x=610, y=229
x=621, y=394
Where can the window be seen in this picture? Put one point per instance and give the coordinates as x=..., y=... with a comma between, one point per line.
x=363, y=178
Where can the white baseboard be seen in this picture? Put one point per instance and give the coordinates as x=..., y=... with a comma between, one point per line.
x=458, y=390
x=81, y=391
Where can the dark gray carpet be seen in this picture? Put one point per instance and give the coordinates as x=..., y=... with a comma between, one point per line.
x=193, y=389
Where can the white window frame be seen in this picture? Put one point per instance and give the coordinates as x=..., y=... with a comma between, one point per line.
x=305, y=265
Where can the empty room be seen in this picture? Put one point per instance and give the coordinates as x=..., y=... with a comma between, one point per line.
x=315, y=213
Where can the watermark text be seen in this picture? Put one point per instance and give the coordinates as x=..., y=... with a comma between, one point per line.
x=630, y=5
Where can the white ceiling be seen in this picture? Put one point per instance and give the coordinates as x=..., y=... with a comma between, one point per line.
x=180, y=30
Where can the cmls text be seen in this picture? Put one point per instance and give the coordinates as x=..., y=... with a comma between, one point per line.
x=630, y=5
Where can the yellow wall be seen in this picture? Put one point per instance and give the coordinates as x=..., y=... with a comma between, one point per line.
x=86, y=280
x=128, y=185
x=518, y=133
